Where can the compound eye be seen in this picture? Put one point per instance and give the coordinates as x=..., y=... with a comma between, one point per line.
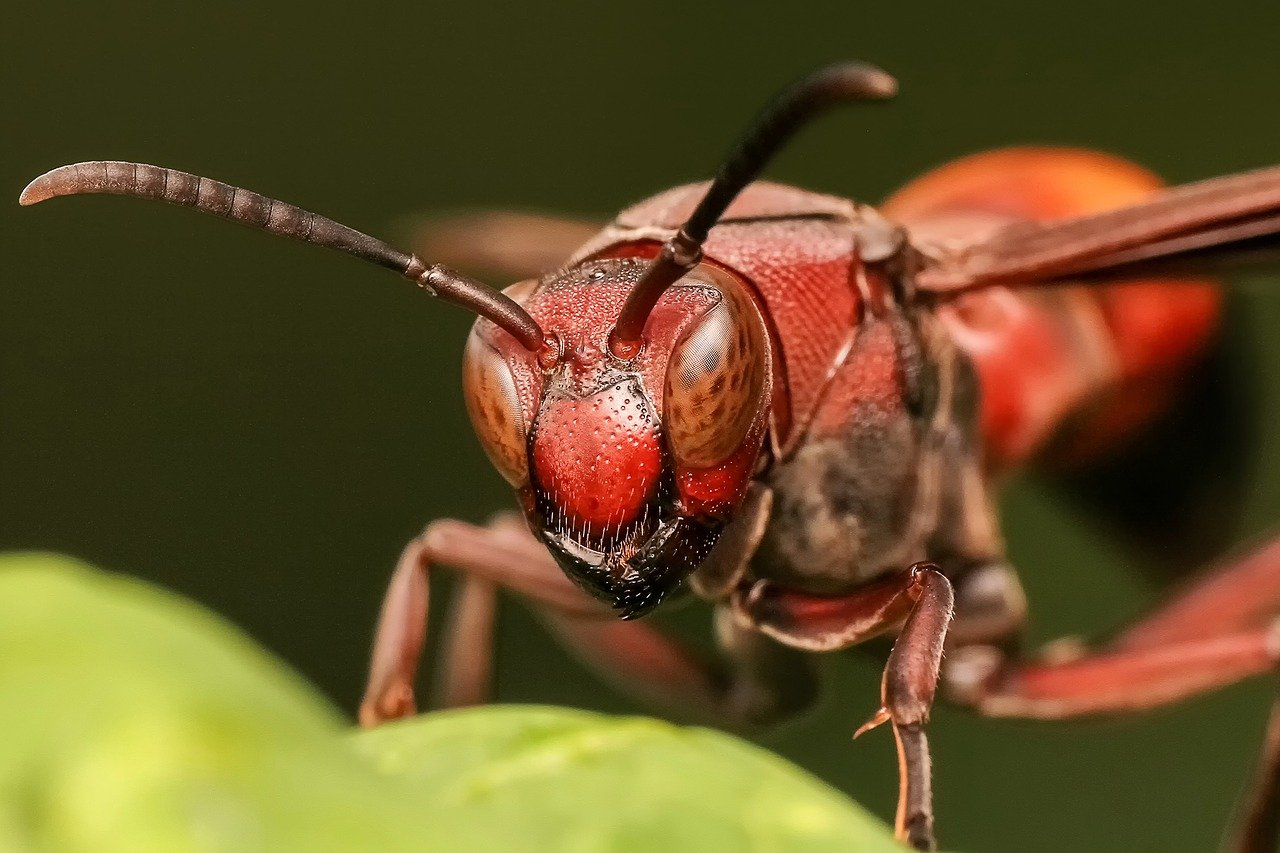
x=494, y=407
x=493, y=401
x=716, y=379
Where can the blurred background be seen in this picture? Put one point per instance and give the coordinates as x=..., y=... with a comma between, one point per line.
x=262, y=425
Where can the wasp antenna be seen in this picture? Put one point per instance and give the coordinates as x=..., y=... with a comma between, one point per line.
x=784, y=115
x=113, y=177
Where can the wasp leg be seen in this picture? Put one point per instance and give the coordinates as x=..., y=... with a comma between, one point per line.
x=496, y=556
x=1223, y=628
x=1220, y=630
x=906, y=695
x=507, y=243
x=1237, y=595
x=760, y=681
x=466, y=667
x=990, y=605
x=924, y=598
x=757, y=682
x=1106, y=682
x=1124, y=680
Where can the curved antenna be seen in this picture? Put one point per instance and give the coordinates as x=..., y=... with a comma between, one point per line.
x=789, y=111
x=114, y=177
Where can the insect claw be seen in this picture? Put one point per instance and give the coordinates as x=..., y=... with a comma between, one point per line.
x=880, y=717
x=395, y=702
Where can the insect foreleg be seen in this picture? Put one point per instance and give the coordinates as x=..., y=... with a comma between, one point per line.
x=466, y=666
x=497, y=555
x=907, y=691
x=759, y=680
x=924, y=599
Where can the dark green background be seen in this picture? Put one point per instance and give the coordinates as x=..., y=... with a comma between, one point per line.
x=262, y=425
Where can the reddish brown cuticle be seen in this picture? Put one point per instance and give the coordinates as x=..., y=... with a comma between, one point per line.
x=625, y=350
x=598, y=458
x=549, y=354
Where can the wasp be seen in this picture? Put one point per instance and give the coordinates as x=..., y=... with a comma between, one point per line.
x=797, y=406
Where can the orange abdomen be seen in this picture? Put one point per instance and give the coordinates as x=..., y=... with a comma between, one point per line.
x=1077, y=366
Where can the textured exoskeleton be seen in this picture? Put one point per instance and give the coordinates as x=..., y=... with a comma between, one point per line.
x=798, y=406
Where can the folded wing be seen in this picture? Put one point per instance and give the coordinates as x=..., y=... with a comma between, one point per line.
x=1222, y=222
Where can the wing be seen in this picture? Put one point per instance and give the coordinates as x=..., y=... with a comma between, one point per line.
x=511, y=244
x=1222, y=222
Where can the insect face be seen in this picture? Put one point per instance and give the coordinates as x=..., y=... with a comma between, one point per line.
x=628, y=468
x=625, y=399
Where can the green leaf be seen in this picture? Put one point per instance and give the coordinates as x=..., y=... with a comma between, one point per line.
x=538, y=778
x=135, y=720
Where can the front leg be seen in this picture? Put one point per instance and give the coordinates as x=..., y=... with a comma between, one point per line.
x=757, y=681
x=491, y=556
x=906, y=695
x=924, y=598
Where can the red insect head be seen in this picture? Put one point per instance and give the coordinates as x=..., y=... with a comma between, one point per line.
x=628, y=468
x=624, y=398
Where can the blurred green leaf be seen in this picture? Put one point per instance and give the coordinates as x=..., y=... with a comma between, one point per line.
x=135, y=720
x=555, y=779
